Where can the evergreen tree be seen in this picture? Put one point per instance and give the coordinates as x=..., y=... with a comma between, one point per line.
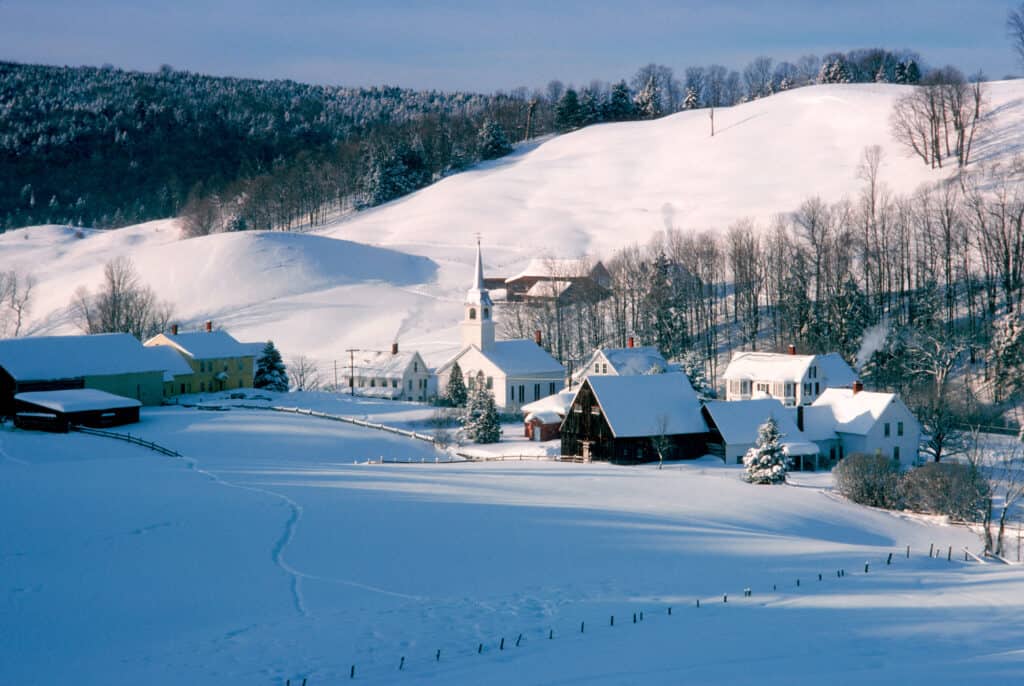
x=899, y=73
x=271, y=373
x=568, y=115
x=456, y=391
x=590, y=107
x=834, y=70
x=913, y=72
x=766, y=463
x=480, y=420
x=880, y=75
x=1007, y=355
x=648, y=100
x=620, y=104
x=690, y=101
x=693, y=366
x=492, y=141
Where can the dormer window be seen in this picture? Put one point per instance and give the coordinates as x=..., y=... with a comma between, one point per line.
x=472, y=313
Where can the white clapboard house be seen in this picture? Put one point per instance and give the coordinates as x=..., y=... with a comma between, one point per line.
x=792, y=379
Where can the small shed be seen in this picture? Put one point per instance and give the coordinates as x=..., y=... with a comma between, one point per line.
x=542, y=419
x=60, y=410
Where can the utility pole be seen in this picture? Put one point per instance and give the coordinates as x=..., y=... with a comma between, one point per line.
x=711, y=113
x=335, y=376
x=352, y=370
x=530, y=107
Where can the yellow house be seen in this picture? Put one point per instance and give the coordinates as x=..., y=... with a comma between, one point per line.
x=218, y=361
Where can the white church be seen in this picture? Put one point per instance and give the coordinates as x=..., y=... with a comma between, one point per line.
x=517, y=372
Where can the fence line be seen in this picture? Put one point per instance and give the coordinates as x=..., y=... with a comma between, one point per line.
x=135, y=440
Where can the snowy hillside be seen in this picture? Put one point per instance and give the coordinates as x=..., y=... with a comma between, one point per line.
x=588, y=192
x=265, y=554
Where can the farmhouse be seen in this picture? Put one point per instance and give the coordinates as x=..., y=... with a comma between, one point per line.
x=793, y=379
x=733, y=428
x=177, y=372
x=635, y=419
x=113, y=362
x=218, y=361
x=626, y=361
x=517, y=371
x=388, y=374
x=851, y=420
x=60, y=410
x=567, y=281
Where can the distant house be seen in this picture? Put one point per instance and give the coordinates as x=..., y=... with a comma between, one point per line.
x=559, y=279
x=218, y=361
x=388, y=374
x=624, y=418
x=516, y=372
x=733, y=429
x=845, y=421
x=623, y=362
x=542, y=419
x=791, y=378
x=60, y=410
x=114, y=362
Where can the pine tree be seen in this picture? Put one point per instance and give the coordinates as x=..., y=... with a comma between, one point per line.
x=693, y=366
x=880, y=75
x=568, y=115
x=456, y=391
x=648, y=100
x=1006, y=355
x=690, y=101
x=620, y=104
x=271, y=373
x=480, y=420
x=492, y=141
x=913, y=72
x=590, y=107
x=766, y=463
x=899, y=73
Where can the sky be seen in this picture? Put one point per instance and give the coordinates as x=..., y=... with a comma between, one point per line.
x=488, y=46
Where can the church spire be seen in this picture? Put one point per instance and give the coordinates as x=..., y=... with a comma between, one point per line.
x=478, y=275
x=478, y=323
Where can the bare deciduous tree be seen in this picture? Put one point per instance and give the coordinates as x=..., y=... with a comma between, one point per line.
x=1015, y=29
x=122, y=305
x=303, y=374
x=15, y=301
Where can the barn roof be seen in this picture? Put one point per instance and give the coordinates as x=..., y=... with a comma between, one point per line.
x=77, y=400
x=637, y=406
x=739, y=420
x=44, y=358
x=547, y=268
x=205, y=345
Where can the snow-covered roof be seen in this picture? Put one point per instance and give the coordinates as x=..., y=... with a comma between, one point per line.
x=522, y=357
x=205, y=345
x=639, y=360
x=639, y=405
x=77, y=400
x=756, y=366
x=169, y=360
x=544, y=417
x=67, y=357
x=854, y=413
x=739, y=420
x=545, y=268
x=819, y=422
x=800, y=448
x=558, y=403
x=382, y=364
x=548, y=289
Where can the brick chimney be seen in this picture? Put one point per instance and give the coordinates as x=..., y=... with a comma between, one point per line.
x=791, y=349
x=209, y=326
x=536, y=337
x=394, y=348
x=858, y=386
x=174, y=329
x=629, y=342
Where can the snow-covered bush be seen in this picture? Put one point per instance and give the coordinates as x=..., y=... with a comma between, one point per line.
x=766, y=463
x=869, y=480
x=480, y=422
x=271, y=373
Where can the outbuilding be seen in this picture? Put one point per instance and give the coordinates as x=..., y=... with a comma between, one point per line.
x=60, y=410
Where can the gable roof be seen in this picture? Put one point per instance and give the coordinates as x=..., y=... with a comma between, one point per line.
x=835, y=370
x=635, y=405
x=854, y=413
x=169, y=360
x=627, y=361
x=739, y=420
x=558, y=404
x=205, y=345
x=522, y=357
x=547, y=268
x=753, y=366
x=77, y=400
x=45, y=358
x=381, y=363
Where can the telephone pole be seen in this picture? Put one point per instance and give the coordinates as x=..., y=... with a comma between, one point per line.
x=352, y=370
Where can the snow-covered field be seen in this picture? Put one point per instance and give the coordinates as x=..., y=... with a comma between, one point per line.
x=589, y=192
x=265, y=554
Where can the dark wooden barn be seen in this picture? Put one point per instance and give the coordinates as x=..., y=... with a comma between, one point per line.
x=60, y=410
x=630, y=419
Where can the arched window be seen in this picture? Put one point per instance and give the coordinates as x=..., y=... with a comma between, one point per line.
x=472, y=313
x=487, y=313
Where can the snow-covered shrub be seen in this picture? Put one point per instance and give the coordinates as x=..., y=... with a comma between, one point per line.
x=766, y=463
x=869, y=480
x=959, y=491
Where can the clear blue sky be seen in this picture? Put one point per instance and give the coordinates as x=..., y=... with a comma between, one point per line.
x=485, y=46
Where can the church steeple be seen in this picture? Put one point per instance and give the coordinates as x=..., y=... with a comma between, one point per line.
x=478, y=322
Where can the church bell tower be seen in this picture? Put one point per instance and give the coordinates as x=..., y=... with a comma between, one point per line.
x=478, y=319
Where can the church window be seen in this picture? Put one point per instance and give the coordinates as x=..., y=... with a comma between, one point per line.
x=490, y=382
x=487, y=313
x=536, y=391
x=472, y=313
x=551, y=388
